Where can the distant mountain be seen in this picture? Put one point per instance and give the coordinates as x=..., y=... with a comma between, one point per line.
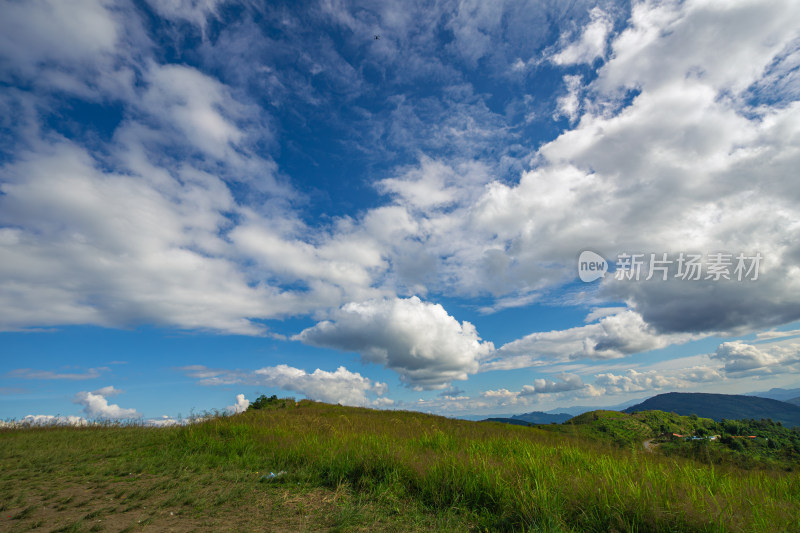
x=783, y=395
x=538, y=417
x=508, y=421
x=719, y=406
x=794, y=401
x=477, y=418
x=576, y=410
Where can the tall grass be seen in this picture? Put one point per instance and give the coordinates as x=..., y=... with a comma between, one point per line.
x=506, y=477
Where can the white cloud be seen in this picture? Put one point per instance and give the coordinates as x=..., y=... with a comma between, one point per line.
x=196, y=105
x=416, y=339
x=591, y=44
x=165, y=421
x=499, y=393
x=742, y=359
x=651, y=380
x=194, y=11
x=45, y=31
x=340, y=386
x=95, y=404
x=566, y=382
x=240, y=405
x=48, y=420
x=614, y=336
x=725, y=44
x=633, y=381
x=569, y=105
x=178, y=221
x=29, y=373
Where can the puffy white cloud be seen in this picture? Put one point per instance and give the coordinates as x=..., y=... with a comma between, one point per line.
x=340, y=386
x=240, y=405
x=742, y=359
x=614, y=336
x=669, y=155
x=726, y=44
x=165, y=421
x=416, y=339
x=566, y=382
x=650, y=380
x=95, y=404
x=52, y=31
x=90, y=234
x=197, y=110
x=591, y=44
x=49, y=420
x=499, y=393
x=633, y=381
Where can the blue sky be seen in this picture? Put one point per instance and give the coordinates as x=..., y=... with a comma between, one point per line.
x=204, y=200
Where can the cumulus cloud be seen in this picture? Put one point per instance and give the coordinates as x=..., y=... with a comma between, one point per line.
x=618, y=333
x=570, y=386
x=239, y=406
x=566, y=382
x=176, y=217
x=632, y=381
x=340, y=386
x=742, y=359
x=95, y=404
x=418, y=340
x=530, y=394
x=652, y=380
x=34, y=33
x=590, y=45
x=49, y=420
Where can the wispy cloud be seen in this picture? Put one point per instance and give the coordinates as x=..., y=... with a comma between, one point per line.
x=29, y=373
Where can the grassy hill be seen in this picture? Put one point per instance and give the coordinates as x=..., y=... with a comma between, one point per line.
x=721, y=406
x=351, y=469
x=775, y=447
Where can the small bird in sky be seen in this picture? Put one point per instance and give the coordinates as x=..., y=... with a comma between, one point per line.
x=377, y=37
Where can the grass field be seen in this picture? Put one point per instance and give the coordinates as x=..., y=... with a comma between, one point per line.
x=351, y=469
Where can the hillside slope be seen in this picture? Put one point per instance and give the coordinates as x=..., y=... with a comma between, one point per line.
x=315, y=467
x=719, y=406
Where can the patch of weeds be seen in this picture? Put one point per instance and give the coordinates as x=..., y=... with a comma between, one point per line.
x=75, y=527
x=349, y=516
x=132, y=507
x=94, y=514
x=25, y=513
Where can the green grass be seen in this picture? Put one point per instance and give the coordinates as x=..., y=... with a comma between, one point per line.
x=351, y=469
